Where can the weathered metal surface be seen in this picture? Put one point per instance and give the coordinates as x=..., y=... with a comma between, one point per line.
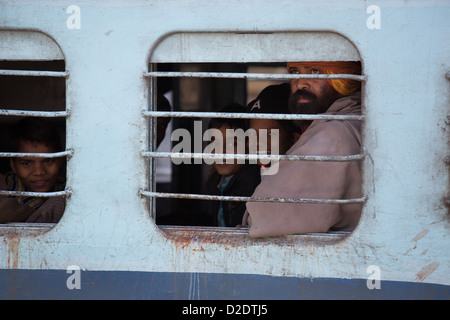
x=251, y=199
x=404, y=228
x=32, y=45
x=251, y=46
x=193, y=239
x=225, y=156
x=220, y=287
x=253, y=76
x=30, y=73
x=4, y=111
x=183, y=114
x=65, y=193
x=67, y=153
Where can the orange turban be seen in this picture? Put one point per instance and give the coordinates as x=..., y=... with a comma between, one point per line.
x=344, y=86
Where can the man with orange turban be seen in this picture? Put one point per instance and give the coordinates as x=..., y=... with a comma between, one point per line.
x=344, y=87
x=315, y=179
x=312, y=96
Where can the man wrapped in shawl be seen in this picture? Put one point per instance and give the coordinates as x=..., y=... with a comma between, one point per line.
x=314, y=179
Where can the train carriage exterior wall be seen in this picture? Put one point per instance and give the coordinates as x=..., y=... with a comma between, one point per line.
x=107, y=231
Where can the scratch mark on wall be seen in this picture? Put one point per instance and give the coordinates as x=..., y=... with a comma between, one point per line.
x=427, y=270
x=420, y=235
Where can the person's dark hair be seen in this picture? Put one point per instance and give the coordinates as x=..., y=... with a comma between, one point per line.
x=162, y=104
x=35, y=130
x=230, y=122
x=275, y=99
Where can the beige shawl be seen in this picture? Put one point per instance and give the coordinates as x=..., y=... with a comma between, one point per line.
x=313, y=179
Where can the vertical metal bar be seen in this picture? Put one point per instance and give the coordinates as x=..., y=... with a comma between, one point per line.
x=152, y=141
x=68, y=122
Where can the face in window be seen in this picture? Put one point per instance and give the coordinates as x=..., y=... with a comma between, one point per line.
x=37, y=174
x=278, y=139
x=310, y=96
x=224, y=167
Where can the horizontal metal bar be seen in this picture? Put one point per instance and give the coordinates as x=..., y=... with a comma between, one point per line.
x=251, y=199
x=27, y=113
x=34, y=73
x=25, y=226
x=253, y=76
x=66, y=193
x=188, y=155
x=185, y=114
x=67, y=153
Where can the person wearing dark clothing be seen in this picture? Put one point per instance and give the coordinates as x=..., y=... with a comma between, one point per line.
x=242, y=184
x=230, y=178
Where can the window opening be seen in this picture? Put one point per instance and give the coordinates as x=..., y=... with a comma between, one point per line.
x=32, y=93
x=196, y=62
x=199, y=91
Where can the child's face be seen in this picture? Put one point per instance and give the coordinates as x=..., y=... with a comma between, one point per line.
x=280, y=142
x=37, y=174
x=226, y=169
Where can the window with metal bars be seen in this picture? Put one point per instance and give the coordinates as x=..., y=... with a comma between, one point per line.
x=188, y=181
x=32, y=94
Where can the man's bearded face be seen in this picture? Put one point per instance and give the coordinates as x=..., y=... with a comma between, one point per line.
x=310, y=96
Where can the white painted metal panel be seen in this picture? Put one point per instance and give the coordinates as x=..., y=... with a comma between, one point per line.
x=254, y=47
x=28, y=45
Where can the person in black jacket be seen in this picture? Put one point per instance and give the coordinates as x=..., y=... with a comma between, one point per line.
x=231, y=179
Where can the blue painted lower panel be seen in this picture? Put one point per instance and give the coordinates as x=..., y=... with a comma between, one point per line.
x=52, y=284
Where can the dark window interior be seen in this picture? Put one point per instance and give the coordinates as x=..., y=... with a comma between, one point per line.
x=30, y=93
x=201, y=95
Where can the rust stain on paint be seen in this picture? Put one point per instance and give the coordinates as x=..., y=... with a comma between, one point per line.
x=427, y=270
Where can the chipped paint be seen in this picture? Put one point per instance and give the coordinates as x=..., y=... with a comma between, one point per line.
x=12, y=244
x=427, y=270
x=420, y=235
